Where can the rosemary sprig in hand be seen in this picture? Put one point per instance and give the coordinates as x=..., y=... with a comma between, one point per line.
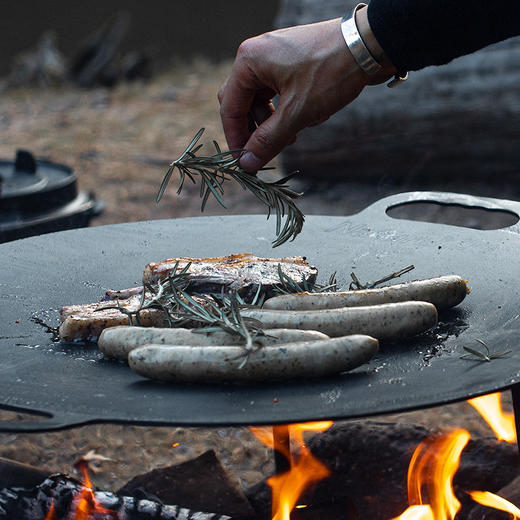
x=213, y=170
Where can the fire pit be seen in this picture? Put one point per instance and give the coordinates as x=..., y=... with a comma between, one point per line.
x=424, y=372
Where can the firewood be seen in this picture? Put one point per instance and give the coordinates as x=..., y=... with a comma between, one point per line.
x=200, y=483
x=62, y=493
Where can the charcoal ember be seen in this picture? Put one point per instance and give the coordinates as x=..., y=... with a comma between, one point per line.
x=201, y=483
x=61, y=493
x=510, y=492
x=369, y=462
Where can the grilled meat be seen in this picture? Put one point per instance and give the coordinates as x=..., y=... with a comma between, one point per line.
x=243, y=273
x=87, y=321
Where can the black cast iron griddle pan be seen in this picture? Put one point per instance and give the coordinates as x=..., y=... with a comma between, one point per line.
x=72, y=385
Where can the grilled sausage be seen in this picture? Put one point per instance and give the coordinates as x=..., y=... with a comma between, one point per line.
x=389, y=321
x=442, y=291
x=117, y=342
x=226, y=363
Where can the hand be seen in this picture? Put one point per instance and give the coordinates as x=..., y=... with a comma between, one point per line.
x=312, y=70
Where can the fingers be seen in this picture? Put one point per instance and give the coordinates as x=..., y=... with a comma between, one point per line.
x=262, y=130
x=267, y=141
x=259, y=136
x=244, y=94
x=235, y=103
x=259, y=112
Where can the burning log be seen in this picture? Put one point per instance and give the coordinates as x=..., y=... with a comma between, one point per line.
x=60, y=497
x=511, y=492
x=369, y=461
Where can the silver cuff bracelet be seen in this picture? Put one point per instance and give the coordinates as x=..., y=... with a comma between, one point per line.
x=356, y=44
x=360, y=51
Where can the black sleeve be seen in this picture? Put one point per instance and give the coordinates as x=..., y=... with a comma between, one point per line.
x=418, y=33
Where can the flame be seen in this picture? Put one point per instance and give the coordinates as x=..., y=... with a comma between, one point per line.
x=490, y=499
x=503, y=424
x=304, y=468
x=264, y=434
x=417, y=513
x=432, y=468
x=51, y=513
x=85, y=504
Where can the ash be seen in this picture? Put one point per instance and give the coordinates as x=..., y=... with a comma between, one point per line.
x=61, y=492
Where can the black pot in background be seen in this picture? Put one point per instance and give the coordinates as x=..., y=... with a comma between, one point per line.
x=38, y=197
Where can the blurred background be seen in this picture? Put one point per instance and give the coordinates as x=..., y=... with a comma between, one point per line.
x=168, y=30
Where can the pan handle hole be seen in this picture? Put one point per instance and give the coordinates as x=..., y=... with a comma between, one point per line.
x=453, y=214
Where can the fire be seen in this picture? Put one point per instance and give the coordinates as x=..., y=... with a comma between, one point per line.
x=436, y=460
x=503, y=424
x=490, y=499
x=304, y=468
x=51, y=513
x=431, y=469
x=85, y=504
x=430, y=474
x=417, y=513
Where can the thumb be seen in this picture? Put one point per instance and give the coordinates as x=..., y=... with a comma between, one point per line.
x=266, y=142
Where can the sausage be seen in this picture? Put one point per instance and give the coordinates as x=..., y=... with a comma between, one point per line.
x=117, y=342
x=442, y=291
x=389, y=321
x=226, y=363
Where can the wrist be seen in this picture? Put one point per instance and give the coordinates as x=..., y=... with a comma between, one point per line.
x=373, y=46
x=364, y=48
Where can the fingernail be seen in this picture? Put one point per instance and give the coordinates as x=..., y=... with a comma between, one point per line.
x=250, y=162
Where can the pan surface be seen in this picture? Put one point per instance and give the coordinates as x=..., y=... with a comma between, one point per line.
x=73, y=385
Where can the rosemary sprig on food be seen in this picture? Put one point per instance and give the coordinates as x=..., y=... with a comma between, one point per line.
x=289, y=286
x=356, y=284
x=213, y=170
x=486, y=355
x=207, y=312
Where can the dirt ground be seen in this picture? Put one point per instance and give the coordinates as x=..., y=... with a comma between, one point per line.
x=119, y=142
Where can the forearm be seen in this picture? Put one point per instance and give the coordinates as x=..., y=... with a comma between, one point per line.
x=419, y=33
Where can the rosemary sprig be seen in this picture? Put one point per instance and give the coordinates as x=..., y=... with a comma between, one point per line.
x=356, y=284
x=289, y=286
x=207, y=312
x=486, y=355
x=215, y=169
